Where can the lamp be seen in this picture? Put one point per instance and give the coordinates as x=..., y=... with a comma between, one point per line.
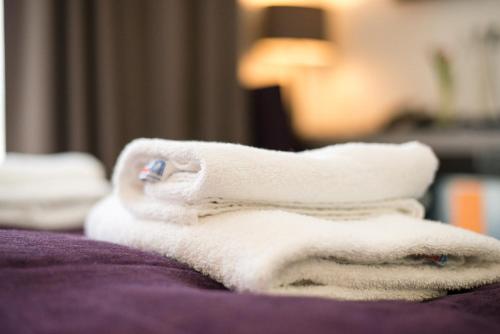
x=294, y=22
x=292, y=37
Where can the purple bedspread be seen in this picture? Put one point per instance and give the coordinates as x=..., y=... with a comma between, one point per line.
x=64, y=283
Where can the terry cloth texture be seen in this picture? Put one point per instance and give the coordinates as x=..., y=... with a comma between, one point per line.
x=273, y=251
x=201, y=179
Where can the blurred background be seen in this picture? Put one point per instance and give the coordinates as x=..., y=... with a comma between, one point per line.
x=90, y=75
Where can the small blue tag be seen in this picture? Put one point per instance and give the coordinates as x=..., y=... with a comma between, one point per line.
x=153, y=171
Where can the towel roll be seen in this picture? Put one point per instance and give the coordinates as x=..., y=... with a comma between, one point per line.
x=184, y=181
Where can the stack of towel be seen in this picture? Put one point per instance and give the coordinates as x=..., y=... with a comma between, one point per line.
x=49, y=191
x=341, y=222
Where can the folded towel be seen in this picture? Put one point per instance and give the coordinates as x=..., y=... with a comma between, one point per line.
x=25, y=168
x=183, y=181
x=392, y=256
x=53, y=192
x=64, y=216
x=50, y=191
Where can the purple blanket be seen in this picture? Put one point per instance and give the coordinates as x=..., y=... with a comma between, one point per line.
x=64, y=283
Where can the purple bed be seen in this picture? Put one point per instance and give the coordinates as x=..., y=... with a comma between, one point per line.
x=65, y=283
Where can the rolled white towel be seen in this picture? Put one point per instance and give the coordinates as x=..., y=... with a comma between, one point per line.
x=183, y=181
x=392, y=256
x=53, y=191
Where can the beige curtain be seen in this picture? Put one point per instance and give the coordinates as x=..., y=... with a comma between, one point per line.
x=91, y=75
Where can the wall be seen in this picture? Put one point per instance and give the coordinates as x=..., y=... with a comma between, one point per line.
x=383, y=61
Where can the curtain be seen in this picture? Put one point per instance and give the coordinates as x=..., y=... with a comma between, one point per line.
x=91, y=75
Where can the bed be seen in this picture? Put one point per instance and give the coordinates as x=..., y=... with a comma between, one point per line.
x=65, y=283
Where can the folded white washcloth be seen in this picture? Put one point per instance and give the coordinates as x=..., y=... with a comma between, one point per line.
x=61, y=216
x=183, y=181
x=392, y=256
x=24, y=168
x=53, y=191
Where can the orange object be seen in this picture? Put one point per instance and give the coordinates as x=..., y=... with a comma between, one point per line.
x=467, y=205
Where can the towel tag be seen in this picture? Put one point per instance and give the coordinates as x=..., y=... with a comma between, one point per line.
x=153, y=171
x=439, y=260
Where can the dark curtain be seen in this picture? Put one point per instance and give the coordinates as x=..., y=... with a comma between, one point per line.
x=91, y=75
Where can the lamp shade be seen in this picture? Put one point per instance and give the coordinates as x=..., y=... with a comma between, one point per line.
x=294, y=22
x=292, y=38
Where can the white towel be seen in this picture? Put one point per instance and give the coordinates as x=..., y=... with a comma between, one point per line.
x=63, y=216
x=348, y=181
x=53, y=191
x=272, y=251
x=24, y=168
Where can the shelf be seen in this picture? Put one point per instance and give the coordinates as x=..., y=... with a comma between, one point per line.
x=448, y=142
